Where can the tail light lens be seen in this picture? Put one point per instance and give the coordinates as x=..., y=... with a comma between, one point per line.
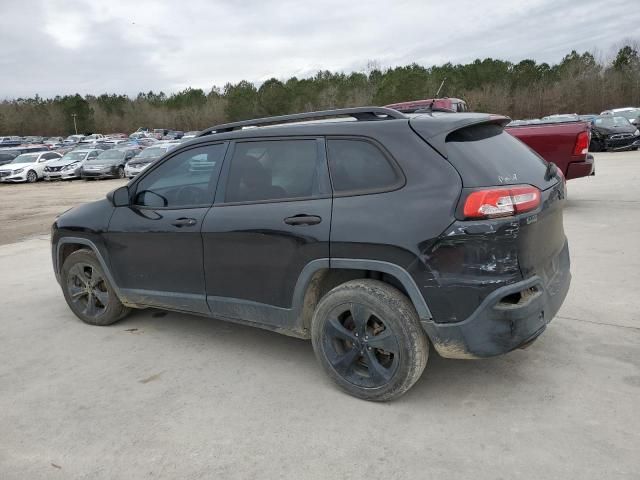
x=501, y=202
x=582, y=143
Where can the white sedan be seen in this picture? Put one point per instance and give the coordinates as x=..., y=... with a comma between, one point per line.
x=28, y=167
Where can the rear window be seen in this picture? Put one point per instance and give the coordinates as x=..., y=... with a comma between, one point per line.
x=485, y=155
x=358, y=165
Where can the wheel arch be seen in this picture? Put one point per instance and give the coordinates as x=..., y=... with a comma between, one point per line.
x=67, y=245
x=320, y=276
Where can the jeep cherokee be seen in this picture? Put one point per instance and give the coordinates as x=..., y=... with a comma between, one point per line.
x=371, y=232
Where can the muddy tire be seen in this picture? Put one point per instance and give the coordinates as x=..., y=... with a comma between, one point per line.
x=367, y=337
x=88, y=291
x=32, y=177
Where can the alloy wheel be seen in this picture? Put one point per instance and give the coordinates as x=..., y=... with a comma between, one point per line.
x=360, y=346
x=87, y=289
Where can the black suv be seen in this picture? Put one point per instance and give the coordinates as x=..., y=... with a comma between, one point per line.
x=372, y=234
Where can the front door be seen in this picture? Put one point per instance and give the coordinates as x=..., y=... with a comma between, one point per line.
x=155, y=245
x=271, y=217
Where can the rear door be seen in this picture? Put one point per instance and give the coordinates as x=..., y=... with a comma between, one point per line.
x=154, y=244
x=271, y=217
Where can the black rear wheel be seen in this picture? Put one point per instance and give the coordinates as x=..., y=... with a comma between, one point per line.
x=367, y=336
x=360, y=346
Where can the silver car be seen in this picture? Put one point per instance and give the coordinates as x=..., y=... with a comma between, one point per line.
x=68, y=167
x=146, y=158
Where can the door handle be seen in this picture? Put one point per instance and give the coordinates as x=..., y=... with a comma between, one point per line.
x=303, y=220
x=184, y=222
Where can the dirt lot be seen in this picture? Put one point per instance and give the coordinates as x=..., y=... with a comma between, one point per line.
x=169, y=395
x=29, y=209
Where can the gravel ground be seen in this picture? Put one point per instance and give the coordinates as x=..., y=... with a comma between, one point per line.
x=28, y=209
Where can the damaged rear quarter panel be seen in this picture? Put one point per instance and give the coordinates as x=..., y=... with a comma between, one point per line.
x=471, y=259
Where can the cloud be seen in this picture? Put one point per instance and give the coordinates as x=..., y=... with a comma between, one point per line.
x=54, y=47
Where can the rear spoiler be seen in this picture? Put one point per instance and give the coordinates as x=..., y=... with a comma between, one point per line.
x=435, y=129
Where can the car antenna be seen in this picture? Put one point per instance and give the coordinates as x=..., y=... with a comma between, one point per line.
x=440, y=87
x=429, y=108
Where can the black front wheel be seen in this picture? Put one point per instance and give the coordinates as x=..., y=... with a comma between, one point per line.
x=120, y=172
x=32, y=176
x=368, y=338
x=88, y=291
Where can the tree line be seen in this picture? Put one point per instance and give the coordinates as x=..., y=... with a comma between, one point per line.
x=579, y=83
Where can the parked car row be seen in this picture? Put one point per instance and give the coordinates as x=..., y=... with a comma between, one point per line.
x=159, y=133
x=84, y=161
x=84, y=156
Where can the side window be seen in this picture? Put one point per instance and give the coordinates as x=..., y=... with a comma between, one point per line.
x=358, y=165
x=185, y=180
x=275, y=169
x=92, y=154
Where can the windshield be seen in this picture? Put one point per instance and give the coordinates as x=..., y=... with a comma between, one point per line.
x=152, y=152
x=111, y=155
x=609, y=121
x=75, y=156
x=26, y=158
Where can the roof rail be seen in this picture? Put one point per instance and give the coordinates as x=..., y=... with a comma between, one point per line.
x=359, y=113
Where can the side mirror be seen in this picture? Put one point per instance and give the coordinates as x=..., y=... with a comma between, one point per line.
x=119, y=197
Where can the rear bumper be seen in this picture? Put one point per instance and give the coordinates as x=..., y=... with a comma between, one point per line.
x=581, y=169
x=498, y=326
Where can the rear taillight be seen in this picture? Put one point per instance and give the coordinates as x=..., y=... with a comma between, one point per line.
x=501, y=202
x=582, y=143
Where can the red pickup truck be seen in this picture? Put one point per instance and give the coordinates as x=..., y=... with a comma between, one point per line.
x=564, y=143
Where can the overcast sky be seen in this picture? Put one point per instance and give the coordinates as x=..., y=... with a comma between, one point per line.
x=54, y=47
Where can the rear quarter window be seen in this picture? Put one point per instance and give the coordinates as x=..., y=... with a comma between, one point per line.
x=485, y=155
x=360, y=166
